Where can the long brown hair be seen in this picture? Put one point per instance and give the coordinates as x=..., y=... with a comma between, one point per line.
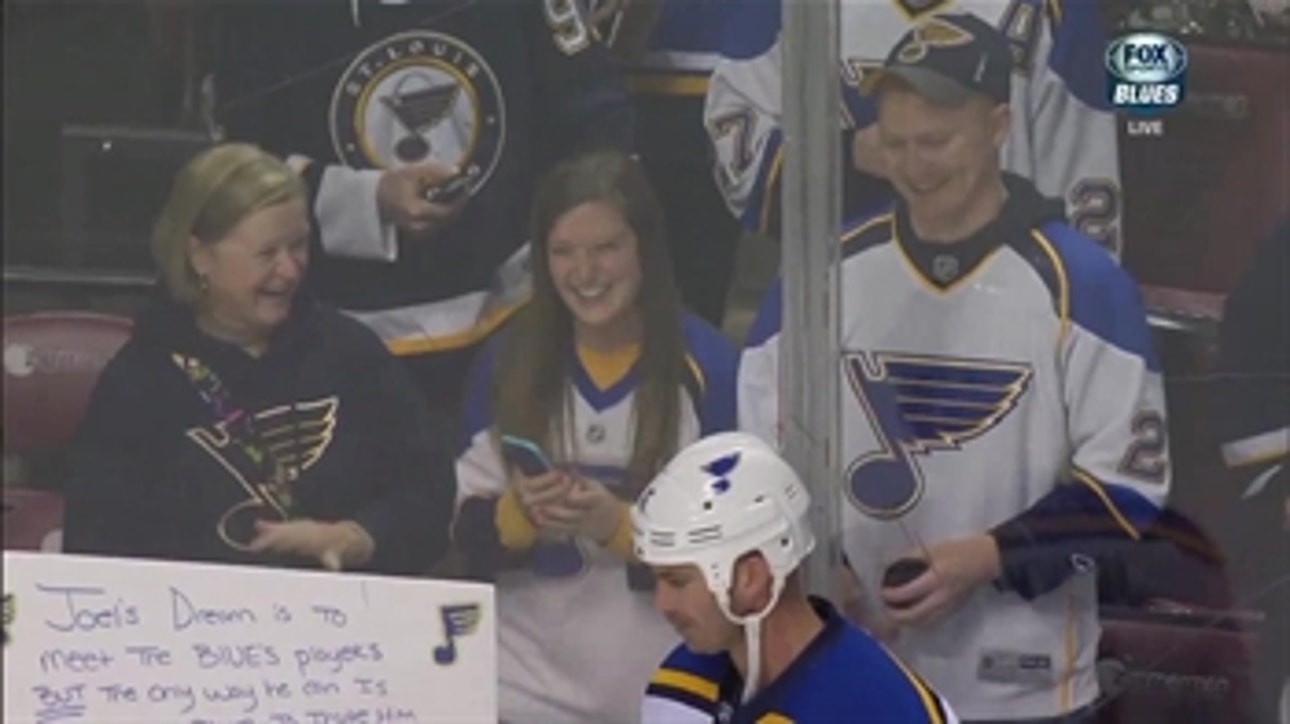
x=533, y=395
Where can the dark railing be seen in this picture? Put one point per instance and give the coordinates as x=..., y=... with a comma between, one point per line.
x=72, y=279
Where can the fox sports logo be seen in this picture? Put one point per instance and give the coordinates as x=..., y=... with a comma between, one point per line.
x=1146, y=72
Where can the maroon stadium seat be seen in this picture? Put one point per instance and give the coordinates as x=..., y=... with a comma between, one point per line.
x=1167, y=663
x=51, y=362
x=33, y=520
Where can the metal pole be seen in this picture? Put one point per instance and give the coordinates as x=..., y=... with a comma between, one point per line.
x=811, y=203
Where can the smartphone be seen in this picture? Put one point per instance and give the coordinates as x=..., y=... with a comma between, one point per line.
x=525, y=455
x=448, y=190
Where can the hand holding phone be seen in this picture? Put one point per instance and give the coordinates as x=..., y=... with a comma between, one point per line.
x=416, y=198
x=449, y=190
x=537, y=487
x=526, y=456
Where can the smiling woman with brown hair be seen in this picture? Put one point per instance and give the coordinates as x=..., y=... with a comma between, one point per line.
x=606, y=375
x=243, y=422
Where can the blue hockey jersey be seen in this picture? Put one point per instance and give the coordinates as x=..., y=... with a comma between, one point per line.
x=843, y=675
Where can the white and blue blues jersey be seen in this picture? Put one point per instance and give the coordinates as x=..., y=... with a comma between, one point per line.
x=575, y=638
x=1064, y=134
x=1004, y=384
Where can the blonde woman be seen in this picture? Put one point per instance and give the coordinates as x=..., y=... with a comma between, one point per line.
x=243, y=422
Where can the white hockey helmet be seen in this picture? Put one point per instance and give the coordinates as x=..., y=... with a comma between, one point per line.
x=722, y=497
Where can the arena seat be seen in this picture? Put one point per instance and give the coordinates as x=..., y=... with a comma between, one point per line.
x=51, y=363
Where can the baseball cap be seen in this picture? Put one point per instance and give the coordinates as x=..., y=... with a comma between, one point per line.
x=947, y=58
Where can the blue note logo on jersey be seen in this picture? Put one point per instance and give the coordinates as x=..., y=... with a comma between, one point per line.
x=1146, y=73
x=918, y=405
x=459, y=619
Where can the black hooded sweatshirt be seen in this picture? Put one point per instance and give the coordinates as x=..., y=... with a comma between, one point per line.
x=154, y=471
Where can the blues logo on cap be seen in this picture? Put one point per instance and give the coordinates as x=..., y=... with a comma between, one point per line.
x=948, y=58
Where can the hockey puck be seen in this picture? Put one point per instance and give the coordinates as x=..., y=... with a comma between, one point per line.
x=903, y=571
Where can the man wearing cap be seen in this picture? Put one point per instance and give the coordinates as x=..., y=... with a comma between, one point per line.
x=1064, y=137
x=1004, y=426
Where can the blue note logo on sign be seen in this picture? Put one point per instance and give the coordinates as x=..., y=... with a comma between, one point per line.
x=461, y=619
x=1146, y=73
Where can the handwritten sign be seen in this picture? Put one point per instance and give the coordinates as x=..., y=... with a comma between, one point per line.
x=105, y=640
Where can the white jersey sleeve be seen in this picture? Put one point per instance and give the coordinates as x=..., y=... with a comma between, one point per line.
x=758, y=377
x=488, y=524
x=1114, y=389
x=481, y=472
x=742, y=114
x=1068, y=144
x=349, y=216
x=1064, y=135
x=1118, y=475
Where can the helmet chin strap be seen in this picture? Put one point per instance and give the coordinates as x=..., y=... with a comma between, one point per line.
x=752, y=635
x=752, y=641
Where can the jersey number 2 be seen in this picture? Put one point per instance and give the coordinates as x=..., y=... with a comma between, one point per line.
x=1096, y=209
x=1147, y=456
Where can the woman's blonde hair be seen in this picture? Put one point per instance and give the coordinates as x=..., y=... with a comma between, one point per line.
x=212, y=194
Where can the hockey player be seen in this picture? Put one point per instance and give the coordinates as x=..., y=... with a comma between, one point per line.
x=1063, y=138
x=1004, y=422
x=420, y=127
x=725, y=527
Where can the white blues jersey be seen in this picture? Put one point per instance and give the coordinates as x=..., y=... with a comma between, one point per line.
x=1063, y=131
x=1006, y=383
x=578, y=633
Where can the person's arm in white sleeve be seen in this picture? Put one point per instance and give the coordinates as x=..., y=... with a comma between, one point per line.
x=1119, y=473
x=758, y=375
x=742, y=114
x=348, y=213
x=1069, y=124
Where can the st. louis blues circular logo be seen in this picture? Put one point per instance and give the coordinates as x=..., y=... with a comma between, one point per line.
x=420, y=96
